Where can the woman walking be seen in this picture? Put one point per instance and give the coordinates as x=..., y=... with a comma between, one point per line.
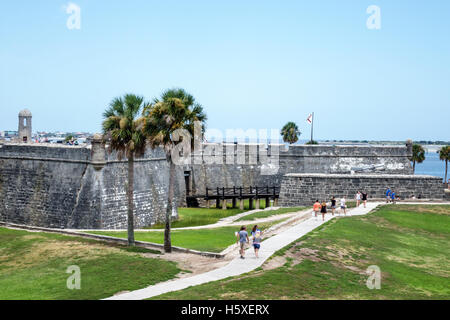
x=242, y=238
x=358, y=198
x=364, y=198
x=316, y=208
x=323, y=210
x=256, y=234
x=343, y=206
x=333, y=205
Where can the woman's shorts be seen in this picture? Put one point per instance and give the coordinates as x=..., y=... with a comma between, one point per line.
x=333, y=207
x=256, y=245
x=342, y=207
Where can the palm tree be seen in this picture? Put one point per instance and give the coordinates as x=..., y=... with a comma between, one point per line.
x=122, y=127
x=418, y=155
x=444, y=155
x=290, y=132
x=176, y=109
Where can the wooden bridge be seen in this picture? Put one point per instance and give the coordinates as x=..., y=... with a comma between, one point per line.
x=222, y=195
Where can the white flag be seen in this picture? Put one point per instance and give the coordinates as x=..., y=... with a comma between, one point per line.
x=309, y=119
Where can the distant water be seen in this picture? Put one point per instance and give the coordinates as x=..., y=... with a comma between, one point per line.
x=432, y=166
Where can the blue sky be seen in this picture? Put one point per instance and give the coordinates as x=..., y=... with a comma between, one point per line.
x=251, y=64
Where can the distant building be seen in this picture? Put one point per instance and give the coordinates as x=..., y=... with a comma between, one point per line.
x=10, y=133
x=25, y=126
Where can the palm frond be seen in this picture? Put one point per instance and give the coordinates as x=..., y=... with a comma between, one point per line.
x=123, y=125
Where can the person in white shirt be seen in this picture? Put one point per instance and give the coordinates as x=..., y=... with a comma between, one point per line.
x=343, y=206
x=358, y=198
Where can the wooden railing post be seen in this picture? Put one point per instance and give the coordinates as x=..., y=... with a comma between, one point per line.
x=258, y=201
x=218, y=198
x=224, y=201
x=250, y=199
x=241, y=200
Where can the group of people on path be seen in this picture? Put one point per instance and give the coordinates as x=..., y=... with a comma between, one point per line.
x=390, y=196
x=322, y=207
x=243, y=239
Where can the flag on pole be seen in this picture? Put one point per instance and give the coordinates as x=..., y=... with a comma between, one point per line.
x=309, y=119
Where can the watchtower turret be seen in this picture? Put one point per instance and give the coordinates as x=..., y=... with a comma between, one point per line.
x=25, y=126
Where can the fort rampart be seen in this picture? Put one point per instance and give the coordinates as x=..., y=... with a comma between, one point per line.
x=305, y=189
x=80, y=187
x=85, y=187
x=223, y=165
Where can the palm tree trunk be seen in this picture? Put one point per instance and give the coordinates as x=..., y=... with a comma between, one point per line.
x=446, y=167
x=414, y=167
x=130, y=192
x=170, y=200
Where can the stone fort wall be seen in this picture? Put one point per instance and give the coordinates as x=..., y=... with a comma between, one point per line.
x=225, y=165
x=84, y=187
x=75, y=187
x=305, y=189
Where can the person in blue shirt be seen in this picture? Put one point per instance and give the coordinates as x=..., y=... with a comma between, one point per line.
x=388, y=195
x=393, y=197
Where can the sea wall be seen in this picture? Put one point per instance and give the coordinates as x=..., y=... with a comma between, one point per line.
x=305, y=189
x=80, y=187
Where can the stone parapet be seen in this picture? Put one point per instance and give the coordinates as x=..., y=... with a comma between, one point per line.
x=61, y=186
x=305, y=189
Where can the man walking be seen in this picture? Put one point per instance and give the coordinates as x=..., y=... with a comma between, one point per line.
x=388, y=195
x=393, y=197
x=242, y=239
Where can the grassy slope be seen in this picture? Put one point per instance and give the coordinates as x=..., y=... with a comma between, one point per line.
x=212, y=240
x=269, y=213
x=189, y=217
x=408, y=243
x=33, y=266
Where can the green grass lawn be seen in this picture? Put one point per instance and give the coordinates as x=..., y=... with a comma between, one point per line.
x=212, y=240
x=410, y=244
x=190, y=217
x=33, y=266
x=269, y=213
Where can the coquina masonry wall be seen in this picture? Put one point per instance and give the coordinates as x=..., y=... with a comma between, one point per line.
x=80, y=187
x=77, y=187
x=251, y=165
x=305, y=189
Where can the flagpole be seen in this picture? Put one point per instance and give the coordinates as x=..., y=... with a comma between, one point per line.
x=312, y=126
